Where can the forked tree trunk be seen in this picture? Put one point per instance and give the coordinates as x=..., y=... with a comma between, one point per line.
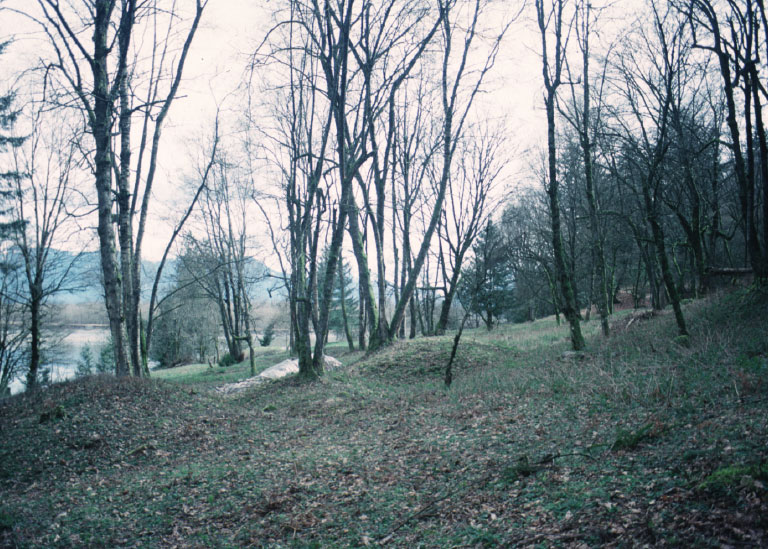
x=101, y=126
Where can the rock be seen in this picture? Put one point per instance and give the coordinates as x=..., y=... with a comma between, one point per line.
x=230, y=388
x=291, y=366
x=279, y=370
x=331, y=364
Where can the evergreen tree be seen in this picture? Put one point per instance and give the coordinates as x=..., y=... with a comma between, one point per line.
x=269, y=334
x=487, y=284
x=106, y=362
x=86, y=363
x=8, y=141
x=13, y=330
x=342, y=317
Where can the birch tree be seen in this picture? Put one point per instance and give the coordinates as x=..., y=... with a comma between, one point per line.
x=97, y=64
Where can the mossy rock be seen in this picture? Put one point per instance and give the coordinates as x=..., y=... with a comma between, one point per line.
x=735, y=475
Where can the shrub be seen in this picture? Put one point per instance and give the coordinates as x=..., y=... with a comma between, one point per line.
x=227, y=360
x=86, y=363
x=106, y=363
x=269, y=334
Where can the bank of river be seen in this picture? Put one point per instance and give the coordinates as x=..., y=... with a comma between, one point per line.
x=63, y=356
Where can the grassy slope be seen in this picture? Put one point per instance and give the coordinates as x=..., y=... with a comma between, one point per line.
x=654, y=443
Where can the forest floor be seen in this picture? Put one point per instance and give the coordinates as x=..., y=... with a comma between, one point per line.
x=645, y=439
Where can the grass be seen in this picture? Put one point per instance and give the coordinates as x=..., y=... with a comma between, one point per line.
x=206, y=376
x=640, y=442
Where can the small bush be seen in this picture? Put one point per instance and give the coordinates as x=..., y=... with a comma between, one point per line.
x=227, y=360
x=6, y=519
x=86, y=362
x=753, y=364
x=56, y=412
x=106, y=362
x=523, y=468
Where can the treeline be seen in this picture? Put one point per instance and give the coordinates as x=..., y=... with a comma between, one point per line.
x=652, y=181
x=657, y=169
x=360, y=167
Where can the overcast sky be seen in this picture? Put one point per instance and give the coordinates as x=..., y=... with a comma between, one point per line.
x=229, y=33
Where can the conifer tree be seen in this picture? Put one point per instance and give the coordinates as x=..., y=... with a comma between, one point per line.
x=8, y=140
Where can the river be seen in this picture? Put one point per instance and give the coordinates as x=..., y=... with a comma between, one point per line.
x=63, y=357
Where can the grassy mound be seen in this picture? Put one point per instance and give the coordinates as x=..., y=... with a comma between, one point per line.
x=641, y=440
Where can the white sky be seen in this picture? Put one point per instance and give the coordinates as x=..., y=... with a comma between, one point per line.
x=229, y=32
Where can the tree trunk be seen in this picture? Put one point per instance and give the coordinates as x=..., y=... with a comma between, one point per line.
x=594, y=222
x=445, y=309
x=666, y=273
x=125, y=233
x=561, y=274
x=361, y=317
x=746, y=192
x=302, y=301
x=763, y=149
x=35, y=340
x=367, y=295
x=101, y=124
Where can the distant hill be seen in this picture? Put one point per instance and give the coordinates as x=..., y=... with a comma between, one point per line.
x=84, y=281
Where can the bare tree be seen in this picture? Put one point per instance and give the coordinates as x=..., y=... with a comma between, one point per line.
x=46, y=201
x=467, y=210
x=649, y=94
x=730, y=32
x=204, y=172
x=460, y=83
x=416, y=152
x=551, y=21
x=586, y=121
x=226, y=268
x=313, y=49
x=103, y=79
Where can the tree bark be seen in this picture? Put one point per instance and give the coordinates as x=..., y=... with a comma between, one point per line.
x=101, y=124
x=551, y=83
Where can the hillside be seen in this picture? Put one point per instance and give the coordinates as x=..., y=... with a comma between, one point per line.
x=643, y=440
